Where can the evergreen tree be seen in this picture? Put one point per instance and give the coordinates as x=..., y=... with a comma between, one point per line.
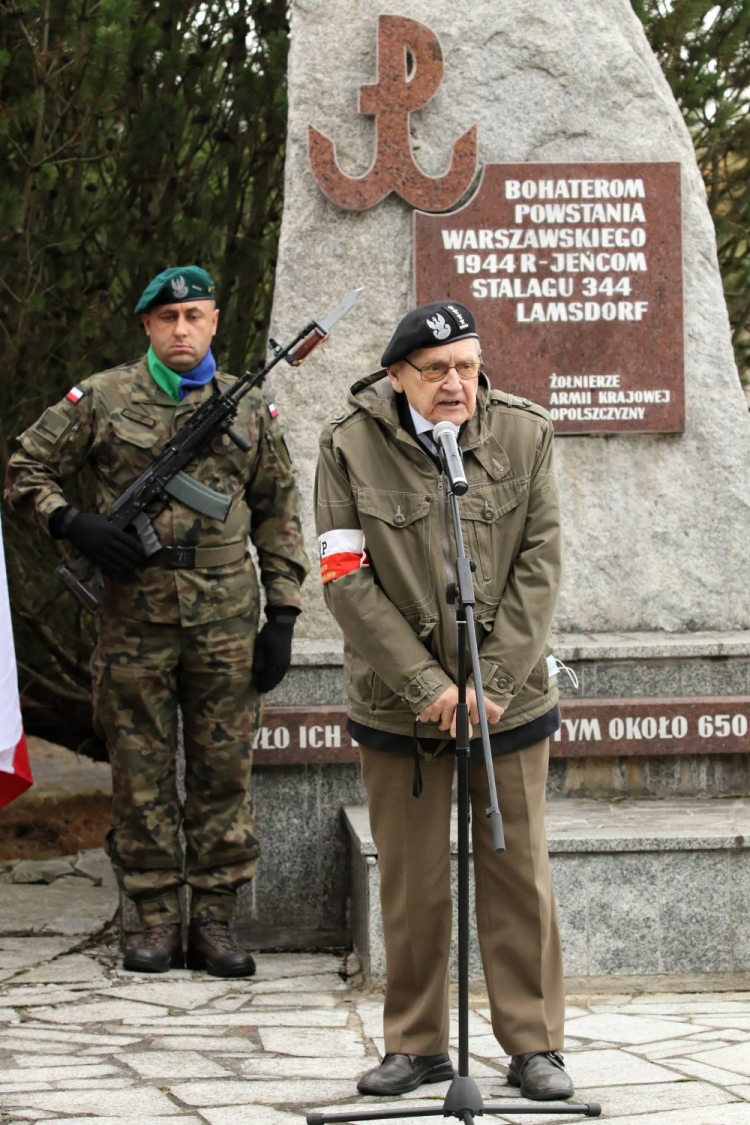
x=133, y=136
x=704, y=50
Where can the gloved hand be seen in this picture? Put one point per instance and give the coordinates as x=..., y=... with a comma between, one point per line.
x=98, y=539
x=273, y=647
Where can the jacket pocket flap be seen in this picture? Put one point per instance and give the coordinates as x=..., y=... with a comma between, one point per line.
x=396, y=508
x=489, y=504
x=125, y=429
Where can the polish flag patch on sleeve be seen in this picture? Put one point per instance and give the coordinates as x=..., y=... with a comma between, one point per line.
x=273, y=410
x=341, y=551
x=75, y=394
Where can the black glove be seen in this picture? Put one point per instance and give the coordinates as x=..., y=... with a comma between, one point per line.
x=273, y=647
x=98, y=539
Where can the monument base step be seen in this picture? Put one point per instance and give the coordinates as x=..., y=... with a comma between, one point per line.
x=643, y=887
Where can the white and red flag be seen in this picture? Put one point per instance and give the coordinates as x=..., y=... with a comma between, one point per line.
x=15, y=773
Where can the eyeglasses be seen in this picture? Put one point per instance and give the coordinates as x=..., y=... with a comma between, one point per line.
x=436, y=372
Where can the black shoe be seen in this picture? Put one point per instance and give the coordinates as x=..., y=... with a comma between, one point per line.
x=541, y=1076
x=397, y=1074
x=211, y=947
x=157, y=950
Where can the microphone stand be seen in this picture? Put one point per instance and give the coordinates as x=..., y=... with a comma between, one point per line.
x=463, y=1100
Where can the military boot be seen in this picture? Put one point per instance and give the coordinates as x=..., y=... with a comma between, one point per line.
x=157, y=950
x=211, y=947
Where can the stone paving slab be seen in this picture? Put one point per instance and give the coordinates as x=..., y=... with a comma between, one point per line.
x=693, y=1068
x=75, y=968
x=28, y=1033
x=71, y=906
x=646, y=1100
x=308, y=1042
x=18, y=953
x=737, y=1020
x=226, y=1045
x=230, y=1115
x=25, y=1061
x=627, y=1029
x=301, y=1000
x=45, y=1073
x=100, y=1011
x=132, y=1102
x=251, y=1017
x=175, y=994
x=286, y=966
x=181, y=1119
x=329, y=982
x=269, y=1066
x=303, y=1091
x=718, y=1115
x=174, y=1064
x=131, y=1049
x=36, y=997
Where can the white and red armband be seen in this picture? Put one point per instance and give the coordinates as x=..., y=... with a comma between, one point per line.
x=341, y=551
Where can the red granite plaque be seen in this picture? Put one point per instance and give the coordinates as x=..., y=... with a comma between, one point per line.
x=303, y=736
x=574, y=274
x=591, y=728
x=613, y=728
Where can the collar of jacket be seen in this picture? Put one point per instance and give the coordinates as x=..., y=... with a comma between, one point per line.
x=145, y=389
x=375, y=395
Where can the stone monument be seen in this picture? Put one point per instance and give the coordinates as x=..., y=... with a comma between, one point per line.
x=529, y=159
x=655, y=523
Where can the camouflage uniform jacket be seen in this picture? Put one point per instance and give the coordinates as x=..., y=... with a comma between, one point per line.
x=388, y=551
x=119, y=425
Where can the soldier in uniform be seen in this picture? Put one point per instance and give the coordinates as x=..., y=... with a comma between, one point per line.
x=178, y=631
x=386, y=552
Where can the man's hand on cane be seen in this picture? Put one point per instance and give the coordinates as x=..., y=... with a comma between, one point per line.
x=443, y=710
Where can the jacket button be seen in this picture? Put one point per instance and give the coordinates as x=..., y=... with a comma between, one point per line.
x=488, y=512
x=502, y=684
x=399, y=519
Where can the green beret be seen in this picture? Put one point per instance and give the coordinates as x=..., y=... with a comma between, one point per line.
x=176, y=285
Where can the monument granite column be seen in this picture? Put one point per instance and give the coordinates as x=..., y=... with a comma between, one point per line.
x=527, y=158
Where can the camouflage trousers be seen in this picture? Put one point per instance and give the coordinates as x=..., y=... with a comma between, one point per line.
x=145, y=674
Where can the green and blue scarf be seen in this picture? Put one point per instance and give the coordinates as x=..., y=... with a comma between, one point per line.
x=177, y=383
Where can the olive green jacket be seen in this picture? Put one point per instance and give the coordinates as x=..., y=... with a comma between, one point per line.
x=377, y=492
x=119, y=425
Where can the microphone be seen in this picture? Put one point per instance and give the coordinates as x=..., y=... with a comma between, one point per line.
x=445, y=436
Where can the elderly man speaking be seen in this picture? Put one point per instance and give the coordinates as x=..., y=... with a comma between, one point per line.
x=386, y=555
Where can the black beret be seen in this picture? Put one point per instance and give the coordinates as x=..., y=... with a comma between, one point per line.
x=441, y=322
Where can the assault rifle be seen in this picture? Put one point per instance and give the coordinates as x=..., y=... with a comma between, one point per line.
x=164, y=478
